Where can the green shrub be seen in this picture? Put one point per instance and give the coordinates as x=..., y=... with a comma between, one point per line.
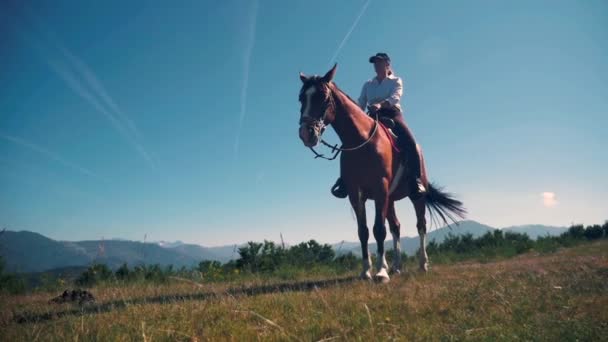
x=94, y=275
x=10, y=283
x=594, y=232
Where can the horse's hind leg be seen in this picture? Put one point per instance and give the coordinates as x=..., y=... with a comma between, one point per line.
x=420, y=208
x=395, y=228
x=358, y=204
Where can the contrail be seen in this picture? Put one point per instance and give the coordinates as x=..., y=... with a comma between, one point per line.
x=81, y=79
x=51, y=155
x=246, y=64
x=352, y=28
x=123, y=124
x=90, y=77
x=68, y=76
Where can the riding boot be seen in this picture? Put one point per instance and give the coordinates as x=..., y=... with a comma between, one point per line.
x=339, y=189
x=407, y=145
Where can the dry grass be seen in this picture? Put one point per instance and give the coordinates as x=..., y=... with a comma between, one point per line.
x=562, y=296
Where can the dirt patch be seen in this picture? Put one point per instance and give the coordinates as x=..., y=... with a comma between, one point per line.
x=74, y=296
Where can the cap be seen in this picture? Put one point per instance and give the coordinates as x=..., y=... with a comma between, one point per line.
x=380, y=56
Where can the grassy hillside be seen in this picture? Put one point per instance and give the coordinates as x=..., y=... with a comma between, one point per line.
x=556, y=296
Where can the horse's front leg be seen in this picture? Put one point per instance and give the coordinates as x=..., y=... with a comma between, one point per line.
x=380, y=234
x=358, y=203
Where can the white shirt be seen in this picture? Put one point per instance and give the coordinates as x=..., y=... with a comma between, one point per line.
x=390, y=89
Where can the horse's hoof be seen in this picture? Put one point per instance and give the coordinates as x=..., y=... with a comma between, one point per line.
x=382, y=276
x=366, y=275
x=395, y=271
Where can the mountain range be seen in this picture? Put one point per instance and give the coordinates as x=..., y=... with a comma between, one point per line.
x=26, y=251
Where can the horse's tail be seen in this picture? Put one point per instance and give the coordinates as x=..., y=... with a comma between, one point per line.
x=443, y=205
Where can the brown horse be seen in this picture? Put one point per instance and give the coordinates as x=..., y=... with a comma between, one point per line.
x=370, y=168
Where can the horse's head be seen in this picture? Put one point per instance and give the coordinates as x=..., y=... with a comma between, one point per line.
x=317, y=110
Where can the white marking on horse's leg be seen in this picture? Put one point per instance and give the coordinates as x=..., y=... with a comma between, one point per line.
x=309, y=92
x=396, y=267
x=363, y=236
x=382, y=276
x=424, y=265
x=381, y=261
x=396, y=179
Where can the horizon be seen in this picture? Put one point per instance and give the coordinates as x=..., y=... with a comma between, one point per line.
x=140, y=119
x=291, y=243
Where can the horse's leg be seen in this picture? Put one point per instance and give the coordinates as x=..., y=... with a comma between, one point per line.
x=358, y=204
x=380, y=234
x=395, y=226
x=420, y=208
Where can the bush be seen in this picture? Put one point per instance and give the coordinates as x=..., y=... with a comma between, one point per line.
x=123, y=273
x=267, y=257
x=594, y=232
x=10, y=283
x=576, y=232
x=211, y=270
x=95, y=274
x=347, y=262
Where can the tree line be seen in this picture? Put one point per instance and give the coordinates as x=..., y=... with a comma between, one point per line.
x=309, y=258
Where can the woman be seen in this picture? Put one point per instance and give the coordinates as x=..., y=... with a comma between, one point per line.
x=382, y=95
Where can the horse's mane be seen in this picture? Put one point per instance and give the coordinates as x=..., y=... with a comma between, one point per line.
x=345, y=94
x=340, y=91
x=330, y=86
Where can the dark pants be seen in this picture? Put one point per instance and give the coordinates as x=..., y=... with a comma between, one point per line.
x=405, y=140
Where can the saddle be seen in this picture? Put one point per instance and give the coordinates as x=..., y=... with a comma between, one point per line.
x=387, y=123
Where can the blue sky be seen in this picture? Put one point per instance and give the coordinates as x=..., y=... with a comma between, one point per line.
x=120, y=119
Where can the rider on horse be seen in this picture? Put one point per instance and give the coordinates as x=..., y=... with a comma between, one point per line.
x=381, y=95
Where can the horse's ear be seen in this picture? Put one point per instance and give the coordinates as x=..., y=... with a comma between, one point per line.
x=303, y=77
x=330, y=74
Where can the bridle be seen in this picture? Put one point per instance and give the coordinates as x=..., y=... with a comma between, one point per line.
x=320, y=124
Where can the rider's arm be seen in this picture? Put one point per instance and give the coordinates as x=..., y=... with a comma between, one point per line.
x=363, y=97
x=396, y=93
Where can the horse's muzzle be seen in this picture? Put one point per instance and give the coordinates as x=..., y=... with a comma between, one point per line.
x=309, y=134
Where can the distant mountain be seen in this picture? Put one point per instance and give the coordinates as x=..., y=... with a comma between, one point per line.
x=169, y=244
x=27, y=252
x=464, y=227
x=535, y=231
x=225, y=253
x=31, y=252
x=221, y=253
x=114, y=253
x=196, y=252
x=411, y=244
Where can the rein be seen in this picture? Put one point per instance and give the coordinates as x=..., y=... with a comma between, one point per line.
x=335, y=150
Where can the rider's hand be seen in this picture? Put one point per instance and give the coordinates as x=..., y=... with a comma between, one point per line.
x=374, y=108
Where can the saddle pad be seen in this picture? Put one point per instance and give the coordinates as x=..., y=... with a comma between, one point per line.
x=391, y=136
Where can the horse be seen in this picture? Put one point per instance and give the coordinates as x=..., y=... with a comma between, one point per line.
x=371, y=168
